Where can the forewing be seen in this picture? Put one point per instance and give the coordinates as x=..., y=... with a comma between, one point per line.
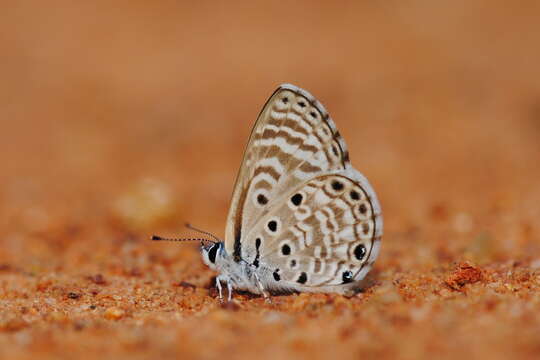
x=293, y=140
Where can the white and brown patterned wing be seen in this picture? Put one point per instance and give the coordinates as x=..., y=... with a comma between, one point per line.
x=293, y=140
x=325, y=236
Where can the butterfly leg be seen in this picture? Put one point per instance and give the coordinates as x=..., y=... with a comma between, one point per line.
x=230, y=290
x=262, y=289
x=218, y=286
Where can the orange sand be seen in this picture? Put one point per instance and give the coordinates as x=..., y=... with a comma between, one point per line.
x=119, y=121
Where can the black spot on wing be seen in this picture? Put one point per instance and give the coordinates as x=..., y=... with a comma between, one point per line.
x=276, y=275
x=261, y=199
x=302, y=279
x=360, y=252
x=296, y=199
x=363, y=208
x=346, y=277
x=257, y=248
x=337, y=185
x=286, y=249
x=272, y=225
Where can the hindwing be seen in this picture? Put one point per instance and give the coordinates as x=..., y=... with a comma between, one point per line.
x=326, y=233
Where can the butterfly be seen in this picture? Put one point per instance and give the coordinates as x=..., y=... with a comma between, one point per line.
x=301, y=219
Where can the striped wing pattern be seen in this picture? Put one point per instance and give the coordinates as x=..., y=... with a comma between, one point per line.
x=292, y=140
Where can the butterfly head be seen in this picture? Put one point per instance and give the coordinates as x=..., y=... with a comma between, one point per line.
x=211, y=252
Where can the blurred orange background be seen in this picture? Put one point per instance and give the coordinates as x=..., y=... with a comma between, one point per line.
x=120, y=119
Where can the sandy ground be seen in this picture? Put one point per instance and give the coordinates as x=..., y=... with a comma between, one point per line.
x=119, y=121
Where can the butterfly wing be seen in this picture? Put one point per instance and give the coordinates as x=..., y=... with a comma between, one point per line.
x=293, y=140
x=324, y=236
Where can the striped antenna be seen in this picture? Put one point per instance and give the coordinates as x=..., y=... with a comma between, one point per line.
x=189, y=226
x=160, y=238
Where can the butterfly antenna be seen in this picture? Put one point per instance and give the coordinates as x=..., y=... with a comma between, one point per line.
x=160, y=238
x=189, y=226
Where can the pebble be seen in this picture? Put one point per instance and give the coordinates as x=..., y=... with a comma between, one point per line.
x=113, y=313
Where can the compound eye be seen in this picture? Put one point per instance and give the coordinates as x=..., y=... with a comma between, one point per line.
x=212, y=253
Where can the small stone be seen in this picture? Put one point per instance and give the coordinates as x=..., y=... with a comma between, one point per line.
x=50, y=301
x=43, y=285
x=98, y=279
x=58, y=316
x=465, y=273
x=113, y=313
x=185, y=284
x=73, y=295
x=33, y=311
